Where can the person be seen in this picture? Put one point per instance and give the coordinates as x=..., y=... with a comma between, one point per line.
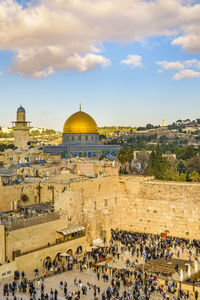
x=81, y=267
x=196, y=295
x=56, y=295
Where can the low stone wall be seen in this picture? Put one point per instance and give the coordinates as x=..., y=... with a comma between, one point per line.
x=7, y=270
x=34, y=260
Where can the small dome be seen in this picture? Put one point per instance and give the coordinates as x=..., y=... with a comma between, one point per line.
x=21, y=109
x=80, y=122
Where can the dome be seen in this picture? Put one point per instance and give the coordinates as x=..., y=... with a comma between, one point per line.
x=21, y=109
x=80, y=122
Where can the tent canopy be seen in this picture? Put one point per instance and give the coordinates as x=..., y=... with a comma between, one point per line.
x=71, y=229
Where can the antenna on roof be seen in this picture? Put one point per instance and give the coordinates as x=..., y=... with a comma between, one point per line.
x=80, y=107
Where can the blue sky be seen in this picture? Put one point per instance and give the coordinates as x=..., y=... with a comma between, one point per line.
x=134, y=92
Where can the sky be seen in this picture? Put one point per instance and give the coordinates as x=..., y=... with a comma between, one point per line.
x=128, y=63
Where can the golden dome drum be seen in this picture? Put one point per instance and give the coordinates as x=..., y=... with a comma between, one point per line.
x=80, y=122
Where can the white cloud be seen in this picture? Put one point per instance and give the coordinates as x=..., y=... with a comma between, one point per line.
x=182, y=67
x=160, y=71
x=133, y=61
x=186, y=74
x=192, y=63
x=1, y=74
x=52, y=35
x=175, y=65
x=39, y=59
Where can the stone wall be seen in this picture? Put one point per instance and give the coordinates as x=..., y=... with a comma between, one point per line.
x=36, y=259
x=157, y=207
x=125, y=202
x=34, y=237
x=131, y=202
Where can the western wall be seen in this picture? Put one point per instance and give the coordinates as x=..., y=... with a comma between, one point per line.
x=98, y=204
x=128, y=202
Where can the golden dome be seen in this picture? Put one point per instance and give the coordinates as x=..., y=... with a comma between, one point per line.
x=80, y=122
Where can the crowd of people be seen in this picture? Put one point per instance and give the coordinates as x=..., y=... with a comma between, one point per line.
x=119, y=284
x=156, y=246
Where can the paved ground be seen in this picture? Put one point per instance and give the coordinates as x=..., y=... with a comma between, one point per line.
x=85, y=277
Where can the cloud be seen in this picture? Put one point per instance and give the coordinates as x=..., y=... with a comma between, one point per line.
x=35, y=62
x=133, y=61
x=192, y=63
x=1, y=74
x=170, y=65
x=186, y=74
x=52, y=35
x=160, y=71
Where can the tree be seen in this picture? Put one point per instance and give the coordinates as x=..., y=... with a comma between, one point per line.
x=194, y=176
x=125, y=156
x=182, y=177
x=189, y=152
x=181, y=166
x=193, y=164
x=157, y=165
x=149, y=126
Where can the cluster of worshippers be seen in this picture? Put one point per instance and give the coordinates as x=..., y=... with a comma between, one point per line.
x=121, y=284
x=155, y=246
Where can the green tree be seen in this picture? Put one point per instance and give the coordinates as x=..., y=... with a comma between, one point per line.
x=194, y=176
x=125, y=156
x=181, y=167
x=157, y=165
x=182, y=177
x=193, y=164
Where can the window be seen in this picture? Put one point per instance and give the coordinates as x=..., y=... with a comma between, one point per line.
x=105, y=202
x=86, y=137
x=115, y=200
x=99, y=187
x=79, y=137
x=12, y=205
x=72, y=138
x=95, y=205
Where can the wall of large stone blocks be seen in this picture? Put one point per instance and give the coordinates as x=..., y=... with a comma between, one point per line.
x=157, y=206
x=35, y=192
x=133, y=203
x=129, y=202
x=93, y=203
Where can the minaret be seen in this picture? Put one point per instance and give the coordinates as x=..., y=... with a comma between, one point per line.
x=21, y=130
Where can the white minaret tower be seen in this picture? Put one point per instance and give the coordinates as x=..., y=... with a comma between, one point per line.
x=21, y=130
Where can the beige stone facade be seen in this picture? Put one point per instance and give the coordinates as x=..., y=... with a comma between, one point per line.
x=133, y=202
x=99, y=204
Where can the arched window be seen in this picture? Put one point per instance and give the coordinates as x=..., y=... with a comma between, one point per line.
x=79, y=250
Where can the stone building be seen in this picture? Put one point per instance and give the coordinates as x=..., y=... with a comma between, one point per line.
x=86, y=208
x=81, y=139
x=21, y=130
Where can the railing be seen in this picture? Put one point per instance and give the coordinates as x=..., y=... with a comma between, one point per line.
x=30, y=221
